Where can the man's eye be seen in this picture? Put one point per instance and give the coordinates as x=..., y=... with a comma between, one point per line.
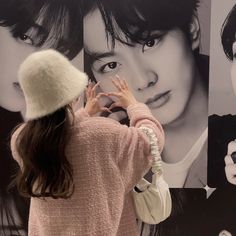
x=26, y=39
x=109, y=67
x=150, y=43
x=112, y=65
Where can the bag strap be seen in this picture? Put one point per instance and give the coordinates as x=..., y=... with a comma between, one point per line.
x=155, y=153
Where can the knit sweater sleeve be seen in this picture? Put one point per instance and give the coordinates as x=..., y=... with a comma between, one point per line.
x=134, y=159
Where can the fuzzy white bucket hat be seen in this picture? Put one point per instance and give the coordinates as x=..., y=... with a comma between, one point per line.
x=49, y=81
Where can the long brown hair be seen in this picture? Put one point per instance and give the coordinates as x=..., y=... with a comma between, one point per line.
x=41, y=144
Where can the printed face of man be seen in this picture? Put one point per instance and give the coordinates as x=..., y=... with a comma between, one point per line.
x=12, y=52
x=160, y=71
x=233, y=67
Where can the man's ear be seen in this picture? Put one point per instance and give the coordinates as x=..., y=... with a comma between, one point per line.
x=194, y=32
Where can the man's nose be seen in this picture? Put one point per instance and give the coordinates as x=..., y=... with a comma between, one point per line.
x=145, y=80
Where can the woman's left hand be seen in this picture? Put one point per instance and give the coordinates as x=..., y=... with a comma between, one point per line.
x=93, y=105
x=230, y=166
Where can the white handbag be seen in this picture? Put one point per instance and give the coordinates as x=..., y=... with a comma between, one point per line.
x=153, y=200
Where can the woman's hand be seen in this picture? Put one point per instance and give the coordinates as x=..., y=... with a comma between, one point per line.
x=92, y=105
x=124, y=95
x=230, y=166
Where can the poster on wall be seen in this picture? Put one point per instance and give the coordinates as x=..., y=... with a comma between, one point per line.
x=159, y=48
x=156, y=46
x=221, y=123
x=25, y=27
x=164, y=49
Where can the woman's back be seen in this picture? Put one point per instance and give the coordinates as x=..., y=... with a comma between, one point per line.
x=108, y=160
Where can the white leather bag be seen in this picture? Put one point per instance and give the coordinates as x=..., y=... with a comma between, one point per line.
x=153, y=200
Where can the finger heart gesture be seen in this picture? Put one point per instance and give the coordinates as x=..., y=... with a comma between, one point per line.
x=92, y=105
x=124, y=95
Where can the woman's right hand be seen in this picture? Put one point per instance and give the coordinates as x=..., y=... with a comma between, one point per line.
x=124, y=95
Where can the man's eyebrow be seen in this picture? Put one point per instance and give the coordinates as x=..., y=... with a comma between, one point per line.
x=38, y=27
x=94, y=56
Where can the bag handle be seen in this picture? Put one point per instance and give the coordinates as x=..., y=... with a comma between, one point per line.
x=155, y=153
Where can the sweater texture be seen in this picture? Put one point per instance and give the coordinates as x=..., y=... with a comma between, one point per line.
x=108, y=160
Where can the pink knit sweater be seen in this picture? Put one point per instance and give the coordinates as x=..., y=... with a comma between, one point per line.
x=108, y=159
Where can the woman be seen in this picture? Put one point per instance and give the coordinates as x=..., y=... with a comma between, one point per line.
x=73, y=185
x=26, y=26
x=156, y=45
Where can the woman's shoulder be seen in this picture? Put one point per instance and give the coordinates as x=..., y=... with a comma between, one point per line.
x=100, y=125
x=82, y=117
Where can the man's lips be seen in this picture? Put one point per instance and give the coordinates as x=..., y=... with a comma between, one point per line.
x=156, y=97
